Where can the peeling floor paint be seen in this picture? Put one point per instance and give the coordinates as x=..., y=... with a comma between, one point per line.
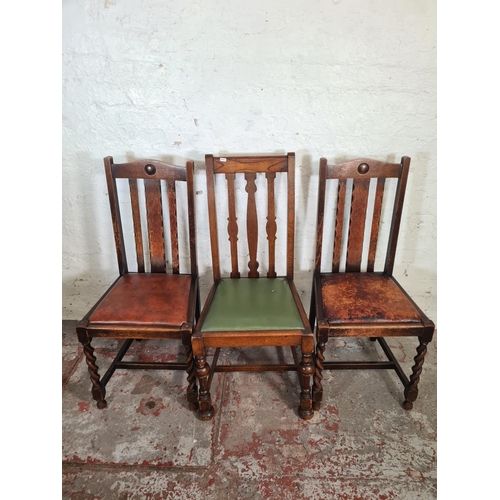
x=360, y=445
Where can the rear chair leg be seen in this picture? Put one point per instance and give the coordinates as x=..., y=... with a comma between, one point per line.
x=411, y=391
x=202, y=370
x=98, y=391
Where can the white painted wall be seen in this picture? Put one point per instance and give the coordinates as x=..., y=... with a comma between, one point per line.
x=175, y=80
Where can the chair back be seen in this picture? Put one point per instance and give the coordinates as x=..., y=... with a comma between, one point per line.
x=358, y=208
x=249, y=167
x=157, y=180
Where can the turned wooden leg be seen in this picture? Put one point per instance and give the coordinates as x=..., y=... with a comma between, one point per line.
x=411, y=391
x=317, y=390
x=202, y=370
x=98, y=391
x=192, y=390
x=306, y=369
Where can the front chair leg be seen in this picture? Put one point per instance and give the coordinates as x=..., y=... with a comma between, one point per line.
x=317, y=390
x=98, y=391
x=411, y=391
x=202, y=370
x=192, y=390
x=306, y=369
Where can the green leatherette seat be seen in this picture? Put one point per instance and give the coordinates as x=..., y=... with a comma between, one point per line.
x=247, y=304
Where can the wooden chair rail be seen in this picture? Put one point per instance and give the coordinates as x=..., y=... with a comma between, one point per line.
x=233, y=164
x=117, y=363
x=148, y=169
x=363, y=168
x=392, y=364
x=280, y=367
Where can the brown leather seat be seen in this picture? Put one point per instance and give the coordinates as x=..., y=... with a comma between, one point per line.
x=145, y=299
x=365, y=297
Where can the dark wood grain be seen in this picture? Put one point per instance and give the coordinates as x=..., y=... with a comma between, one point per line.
x=137, y=170
x=115, y=216
x=396, y=215
x=359, y=202
x=339, y=225
x=191, y=220
x=174, y=234
x=320, y=214
x=212, y=215
x=377, y=211
x=376, y=169
x=152, y=190
x=232, y=164
x=136, y=218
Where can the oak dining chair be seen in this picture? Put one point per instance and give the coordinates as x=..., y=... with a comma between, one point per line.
x=350, y=298
x=147, y=303
x=263, y=308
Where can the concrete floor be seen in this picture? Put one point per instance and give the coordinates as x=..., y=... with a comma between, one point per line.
x=148, y=445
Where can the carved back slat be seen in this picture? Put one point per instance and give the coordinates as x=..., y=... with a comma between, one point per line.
x=360, y=171
x=151, y=173
x=249, y=167
x=252, y=225
x=359, y=201
x=154, y=209
x=174, y=234
x=271, y=224
x=136, y=218
x=377, y=211
x=232, y=226
x=339, y=224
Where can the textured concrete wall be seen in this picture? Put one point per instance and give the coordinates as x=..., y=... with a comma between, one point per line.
x=175, y=80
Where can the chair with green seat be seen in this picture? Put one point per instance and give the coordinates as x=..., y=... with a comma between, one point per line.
x=255, y=310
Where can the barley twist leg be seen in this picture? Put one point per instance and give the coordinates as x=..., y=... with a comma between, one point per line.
x=411, y=392
x=98, y=391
